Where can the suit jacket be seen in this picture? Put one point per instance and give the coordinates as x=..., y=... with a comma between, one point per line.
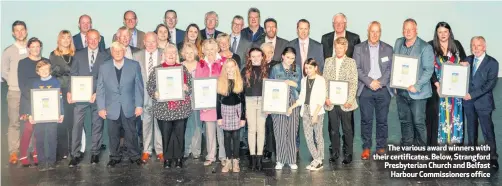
x=423, y=51
x=348, y=72
x=242, y=49
x=80, y=65
x=203, y=33
x=180, y=35
x=127, y=95
x=77, y=41
x=483, y=82
x=362, y=57
x=139, y=56
x=139, y=40
x=315, y=51
x=328, y=39
x=134, y=50
x=280, y=45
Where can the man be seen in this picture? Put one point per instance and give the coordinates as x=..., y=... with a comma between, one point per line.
x=171, y=19
x=339, y=26
x=120, y=100
x=84, y=25
x=148, y=59
x=130, y=22
x=211, y=22
x=239, y=44
x=124, y=37
x=271, y=36
x=87, y=63
x=373, y=58
x=10, y=60
x=411, y=101
x=478, y=103
x=305, y=46
x=254, y=31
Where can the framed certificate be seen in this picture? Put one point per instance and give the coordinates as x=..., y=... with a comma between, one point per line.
x=81, y=88
x=204, y=93
x=404, y=71
x=170, y=84
x=454, y=80
x=338, y=92
x=45, y=106
x=275, y=96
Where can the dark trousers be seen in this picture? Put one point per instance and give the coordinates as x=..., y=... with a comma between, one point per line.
x=269, y=134
x=173, y=138
x=374, y=102
x=130, y=137
x=484, y=118
x=412, y=117
x=64, y=129
x=232, y=143
x=337, y=116
x=80, y=111
x=46, y=131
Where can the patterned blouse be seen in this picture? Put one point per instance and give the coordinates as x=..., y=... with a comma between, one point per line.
x=348, y=72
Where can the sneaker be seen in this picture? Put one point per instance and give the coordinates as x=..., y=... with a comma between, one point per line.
x=279, y=165
x=35, y=159
x=25, y=162
x=13, y=158
x=366, y=154
x=316, y=166
x=293, y=166
x=145, y=157
x=208, y=162
x=43, y=167
x=312, y=164
x=160, y=157
x=51, y=166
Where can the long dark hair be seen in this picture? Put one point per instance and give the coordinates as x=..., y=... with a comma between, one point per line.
x=292, y=50
x=452, y=47
x=249, y=66
x=311, y=62
x=198, y=41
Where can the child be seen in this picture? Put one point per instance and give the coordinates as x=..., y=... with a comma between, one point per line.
x=231, y=112
x=49, y=130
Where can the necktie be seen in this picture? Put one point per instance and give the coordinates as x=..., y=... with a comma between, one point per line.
x=85, y=42
x=92, y=60
x=475, y=66
x=304, y=53
x=211, y=35
x=234, y=45
x=150, y=63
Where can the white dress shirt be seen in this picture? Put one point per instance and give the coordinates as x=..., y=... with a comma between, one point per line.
x=273, y=40
x=172, y=33
x=89, y=55
x=84, y=41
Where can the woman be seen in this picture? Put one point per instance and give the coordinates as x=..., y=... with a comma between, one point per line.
x=193, y=132
x=268, y=50
x=223, y=41
x=171, y=115
x=210, y=66
x=26, y=74
x=231, y=112
x=311, y=101
x=192, y=35
x=253, y=74
x=444, y=126
x=286, y=126
x=61, y=59
x=162, y=36
x=341, y=68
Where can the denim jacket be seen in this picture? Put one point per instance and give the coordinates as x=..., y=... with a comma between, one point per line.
x=278, y=72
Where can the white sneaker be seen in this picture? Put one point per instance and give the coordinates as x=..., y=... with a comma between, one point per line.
x=311, y=165
x=279, y=165
x=293, y=166
x=308, y=167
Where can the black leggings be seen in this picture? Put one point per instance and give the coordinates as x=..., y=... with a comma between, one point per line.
x=232, y=145
x=173, y=138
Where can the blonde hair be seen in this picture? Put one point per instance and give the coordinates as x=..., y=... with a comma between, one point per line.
x=41, y=64
x=342, y=41
x=223, y=79
x=222, y=36
x=190, y=46
x=71, y=50
x=171, y=46
x=208, y=42
x=117, y=44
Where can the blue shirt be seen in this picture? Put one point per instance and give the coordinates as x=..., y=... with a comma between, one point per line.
x=235, y=38
x=375, y=72
x=279, y=72
x=134, y=39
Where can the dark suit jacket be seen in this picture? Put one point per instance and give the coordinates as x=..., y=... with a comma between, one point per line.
x=242, y=49
x=315, y=51
x=363, y=61
x=327, y=43
x=280, y=45
x=180, y=35
x=80, y=65
x=139, y=41
x=203, y=33
x=482, y=84
x=77, y=41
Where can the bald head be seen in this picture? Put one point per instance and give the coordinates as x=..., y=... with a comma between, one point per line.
x=150, y=41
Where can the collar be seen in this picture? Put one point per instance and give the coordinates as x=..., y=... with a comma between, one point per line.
x=118, y=65
x=270, y=40
x=371, y=45
x=46, y=78
x=210, y=32
x=344, y=33
x=95, y=50
x=235, y=35
x=134, y=31
x=404, y=43
x=336, y=58
x=165, y=65
x=480, y=58
x=153, y=53
x=306, y=41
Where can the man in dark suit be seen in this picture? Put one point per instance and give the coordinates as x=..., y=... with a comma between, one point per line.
x=124, y=37
x=120, y=100
x=131, y=21
x=340, y=26
x=254, y=31
x=305, y=46
x=271, y=36
x=79, y=40
x=373, y=58
x=87, y=63
x=478, y=103
x=211, y=22
x=238, y=43
x=171, y=19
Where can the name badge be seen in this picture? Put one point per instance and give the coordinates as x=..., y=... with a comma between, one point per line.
x=22, y=51
x=385, y=59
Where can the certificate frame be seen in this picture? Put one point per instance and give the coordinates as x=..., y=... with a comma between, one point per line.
x=273, y=83
x=330, y=91
x=457, y=93
x=195, y=93
x=45, y=105
x=79, y=93
x=166, y=92
x=395, y=62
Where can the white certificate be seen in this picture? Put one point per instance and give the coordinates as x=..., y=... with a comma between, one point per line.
x=170, y=84
x=454, y=80
x=404, y=71
x=45, y=106
x=338, y=92
x=204, y=93
x=275, y=96
x=81, y=88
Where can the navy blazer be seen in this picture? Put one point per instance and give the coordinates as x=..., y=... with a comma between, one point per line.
x=315, y=51
x=481, y=85
x=77, y=41
x=80, y=65
x=203, y=34
x=180, y=36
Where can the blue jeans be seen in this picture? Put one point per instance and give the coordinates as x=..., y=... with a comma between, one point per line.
x=412, y=117
x=48, y=130
x=374, y=102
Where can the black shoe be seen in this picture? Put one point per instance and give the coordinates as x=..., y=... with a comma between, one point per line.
x=253, y=162
x=167, y=164
x=347, y=159
x=137, y=161
x=179, y=163
x=74, y=162
x=103, y=147
x=258, y=163
x=267, y=156
x=112, y=163
x=94, y=159
x=334, y=157
x=494, y=164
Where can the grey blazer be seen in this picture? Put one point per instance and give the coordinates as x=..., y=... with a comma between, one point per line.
x=362, y=57
x=139, y=40
x=280, y=45
x=242, y=49
x=314, y=51
x=139, y=56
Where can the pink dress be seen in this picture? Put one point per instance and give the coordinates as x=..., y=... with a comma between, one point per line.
x=202, y=71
